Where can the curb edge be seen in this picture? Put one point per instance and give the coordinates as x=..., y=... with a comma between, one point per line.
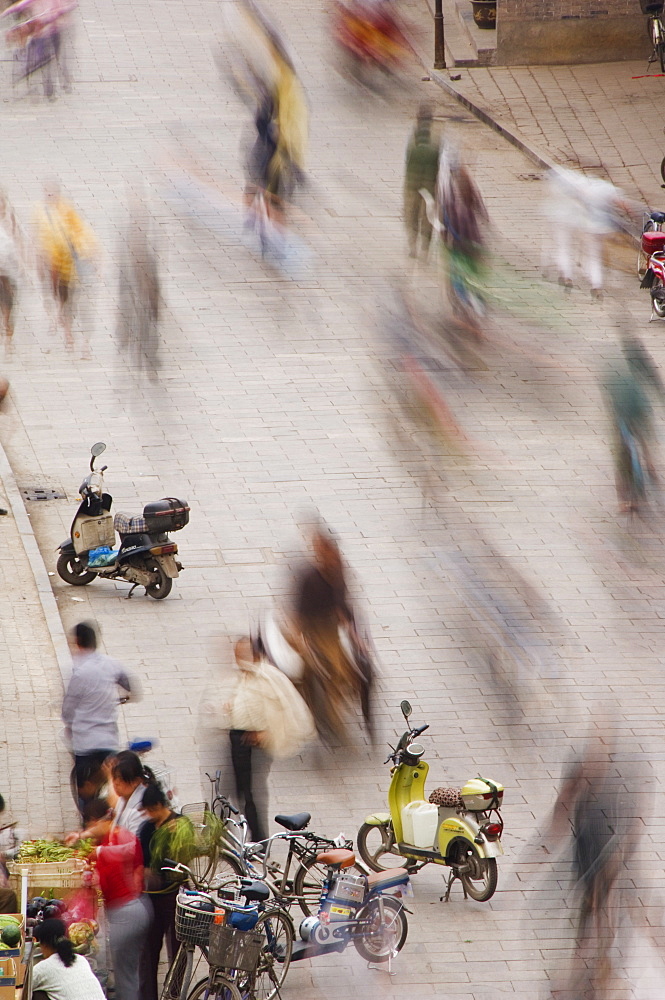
x=37, y=566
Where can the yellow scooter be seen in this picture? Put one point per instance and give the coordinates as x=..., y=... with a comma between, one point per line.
x=459, y=827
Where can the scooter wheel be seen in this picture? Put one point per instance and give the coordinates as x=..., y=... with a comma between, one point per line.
x=72, y=570
x=384, y=929
x=161, y=588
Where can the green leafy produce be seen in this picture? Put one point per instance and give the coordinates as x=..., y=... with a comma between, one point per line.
x=176, y=839
x=43, y=851
x=84, y=848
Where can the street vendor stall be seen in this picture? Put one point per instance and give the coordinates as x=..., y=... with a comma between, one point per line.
x=53, y=880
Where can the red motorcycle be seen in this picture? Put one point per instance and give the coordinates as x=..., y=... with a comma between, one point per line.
x=651, y=262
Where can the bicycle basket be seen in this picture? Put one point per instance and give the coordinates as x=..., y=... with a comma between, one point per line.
x=192, y=925
x=233, y=949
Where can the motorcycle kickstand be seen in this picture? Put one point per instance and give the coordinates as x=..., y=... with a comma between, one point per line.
x=134, y=586
x=382, y=968
x=449, y=884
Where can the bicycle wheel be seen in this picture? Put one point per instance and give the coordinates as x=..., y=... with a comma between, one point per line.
x=276, y=928
x=226, y=866
x=180, y=972
x=308, y=883
x=222, y=988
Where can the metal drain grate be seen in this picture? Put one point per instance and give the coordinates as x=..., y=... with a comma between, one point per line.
x=39, y=493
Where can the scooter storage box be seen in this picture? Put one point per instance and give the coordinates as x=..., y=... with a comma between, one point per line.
x=93, y=532
x=652, y=242
x=480, y=794
x=166, y=515
x=420, y=821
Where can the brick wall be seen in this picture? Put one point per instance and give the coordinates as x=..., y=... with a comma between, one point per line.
x=569, y=31
x=552, y=10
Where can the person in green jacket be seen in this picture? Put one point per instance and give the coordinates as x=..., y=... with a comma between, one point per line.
x=422, y=167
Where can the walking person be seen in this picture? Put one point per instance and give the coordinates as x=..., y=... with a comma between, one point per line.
x=163, y=835
x=338, y=670
x=602, y=816
x=266, y=718
x=628, y=388
x=9, y=265
x=422, y=168
x=119, y=866
x=67, y=248
x=90, y=707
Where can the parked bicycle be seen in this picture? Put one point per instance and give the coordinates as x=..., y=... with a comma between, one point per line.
x=200, y=913
x=301, y=878
x=654, y=9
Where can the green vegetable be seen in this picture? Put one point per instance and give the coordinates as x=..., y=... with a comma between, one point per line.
x=43, y=851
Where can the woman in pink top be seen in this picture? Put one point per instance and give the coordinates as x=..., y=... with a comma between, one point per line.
x=119, y=862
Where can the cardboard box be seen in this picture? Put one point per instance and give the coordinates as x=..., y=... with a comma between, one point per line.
x=8, y=972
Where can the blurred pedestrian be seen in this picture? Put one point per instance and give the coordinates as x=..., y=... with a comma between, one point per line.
x=422, y=168
x=8, y=900
x=90, y=707
x=165, y=837
x=119, y=866
x=9, y=264
x=130, y=779
x=584, y=211
x=62, y=974
x=139, y=294
x=627, y=389
x=266, y=718
x=464, y=215
x=338, y=668
x=593, y=803
x=67, y=249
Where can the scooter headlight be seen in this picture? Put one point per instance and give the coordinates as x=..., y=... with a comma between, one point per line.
x=413, y=753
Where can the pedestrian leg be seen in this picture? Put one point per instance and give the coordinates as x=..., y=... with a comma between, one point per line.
x=128, y=927
x=594, y=262
x=163, y=927
x=563, y=253
x=241, y=756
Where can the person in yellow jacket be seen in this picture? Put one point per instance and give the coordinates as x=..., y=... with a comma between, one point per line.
x=66, y=247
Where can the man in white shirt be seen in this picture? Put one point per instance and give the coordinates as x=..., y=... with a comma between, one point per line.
x=90, y=706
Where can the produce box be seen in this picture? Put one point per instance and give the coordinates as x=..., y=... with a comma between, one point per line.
x=8, y=972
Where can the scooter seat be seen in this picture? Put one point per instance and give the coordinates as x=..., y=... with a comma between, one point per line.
x=384, y=880
x=338, y=858
x=128, y=524
x=449, y=798
x=298, y=821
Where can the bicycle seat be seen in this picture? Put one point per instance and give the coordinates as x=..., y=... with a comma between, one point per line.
x=256, y=892
x=658, y=217
x=298, y=821
x=339, y=858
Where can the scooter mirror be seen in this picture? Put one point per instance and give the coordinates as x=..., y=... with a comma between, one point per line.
x=97, y=449
x=406, y=709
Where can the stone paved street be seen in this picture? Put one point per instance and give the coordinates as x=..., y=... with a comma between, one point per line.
x=605, y=118
x=272, y=400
